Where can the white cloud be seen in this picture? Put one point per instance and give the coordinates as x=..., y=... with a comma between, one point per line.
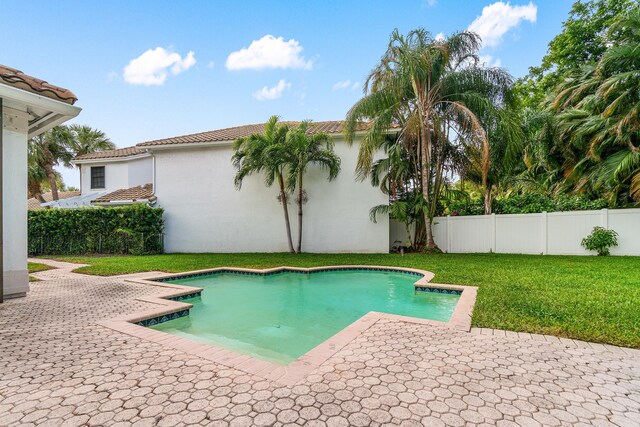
x=346, y=85
x=489, y=61
x=269, y=52
x=440, y=36
x=153, y=66
x=498, y=18
x=268, y=93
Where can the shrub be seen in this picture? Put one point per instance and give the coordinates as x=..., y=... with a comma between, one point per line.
x=600, y=240
x=527, y=203
x=135, y=229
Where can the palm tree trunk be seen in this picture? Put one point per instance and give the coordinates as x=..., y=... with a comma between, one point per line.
x=486, y=163
x=51, y=176
x=426, y=146
x=437, y=181
x=487, y=200
x=283, y=200
x=300, y=201
x=419, y=233
x=35, y=190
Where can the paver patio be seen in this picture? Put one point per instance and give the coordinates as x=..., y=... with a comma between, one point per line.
x=59, y=367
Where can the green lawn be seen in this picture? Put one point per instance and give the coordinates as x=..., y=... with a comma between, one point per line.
x=589, y=298
x=34, y=267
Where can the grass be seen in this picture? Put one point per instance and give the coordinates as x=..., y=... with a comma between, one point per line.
x=35, y=267
x=588, y=298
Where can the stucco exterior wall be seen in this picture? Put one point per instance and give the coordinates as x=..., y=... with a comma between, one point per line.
x=140, y=172
x=119, y=174
x=205, y=213
x=14, y=205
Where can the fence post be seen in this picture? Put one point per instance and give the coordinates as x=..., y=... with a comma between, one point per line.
x=448, y=234
x=493, y=234
x=545, y=233
x=605, y=218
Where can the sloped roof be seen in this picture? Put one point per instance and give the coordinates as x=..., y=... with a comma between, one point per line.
x=33, y=204
x=143, y=192
x=230, y=134
x=16, y=78
x=111, y=154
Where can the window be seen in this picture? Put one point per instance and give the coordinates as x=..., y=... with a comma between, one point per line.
x=97, y=177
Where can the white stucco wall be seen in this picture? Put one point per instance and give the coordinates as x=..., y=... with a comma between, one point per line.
x=205, y=213
x=14, y=205
x=140, y=172
x=118, y=174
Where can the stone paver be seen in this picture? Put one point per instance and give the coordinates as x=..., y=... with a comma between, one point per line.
x=59, y=367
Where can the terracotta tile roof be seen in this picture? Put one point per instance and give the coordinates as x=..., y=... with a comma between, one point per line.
x=16, y=78
x=33, y=204
x=111, y=154
x=144, y=192
x=231, y=134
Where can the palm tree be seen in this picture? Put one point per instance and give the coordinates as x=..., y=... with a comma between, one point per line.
x=598, y=112
x=36, y=176
x=252, y=155
x=87, y=140
x=46, y=151
x=431, y=90
x=409, y=210
x=57, y=147
x=505, y=136
x=304, y=148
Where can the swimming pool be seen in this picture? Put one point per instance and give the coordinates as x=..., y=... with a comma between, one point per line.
x=279, y=317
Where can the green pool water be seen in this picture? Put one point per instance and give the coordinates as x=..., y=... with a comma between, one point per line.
x=282, y=316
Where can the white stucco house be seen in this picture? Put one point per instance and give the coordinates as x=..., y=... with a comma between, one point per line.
x=113, y=177
x=28, y=106
x=192, y=178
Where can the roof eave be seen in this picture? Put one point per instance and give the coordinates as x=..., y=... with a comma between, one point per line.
x=224, y=143
x=57, y=111
x=110, y=159
x=120, y=202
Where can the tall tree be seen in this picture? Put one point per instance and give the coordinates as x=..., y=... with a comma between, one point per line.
x=48, y=150
x=505, y=135
x=304, y=148
x=598, y=119
x=86, y=140
x=57, y=147
x=431, y=90
x=36, y=176
x=584, y=38
x=256, y=153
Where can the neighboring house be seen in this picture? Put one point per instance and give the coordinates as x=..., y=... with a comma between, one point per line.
x=107, y=171
x=192, y=178
x=113, y=177
x=28, y=107
x=204, y=212
x=34, y=204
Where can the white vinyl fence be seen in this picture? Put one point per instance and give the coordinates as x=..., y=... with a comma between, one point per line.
x=556, y=233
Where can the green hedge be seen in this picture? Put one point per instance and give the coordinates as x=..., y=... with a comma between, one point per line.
x=135, y=229
x=528, y=203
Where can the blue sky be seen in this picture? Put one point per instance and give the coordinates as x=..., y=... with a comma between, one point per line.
x=147, y=70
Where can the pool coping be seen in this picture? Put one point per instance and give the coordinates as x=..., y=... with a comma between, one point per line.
x=305, y=364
